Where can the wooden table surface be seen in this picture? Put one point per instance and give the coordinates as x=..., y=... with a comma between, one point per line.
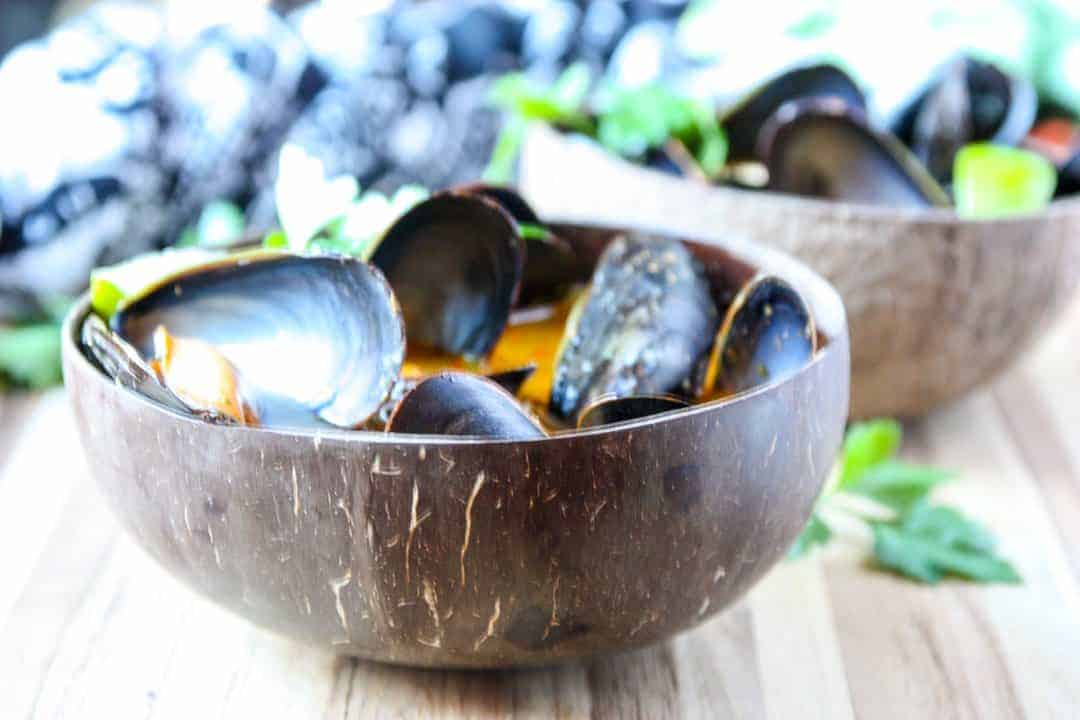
x=91, y=627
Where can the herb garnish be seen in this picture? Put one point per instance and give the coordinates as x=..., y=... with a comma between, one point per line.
x=912, y=536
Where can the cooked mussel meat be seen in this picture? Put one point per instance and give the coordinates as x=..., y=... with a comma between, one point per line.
x=969, y=101
x=455, y=263
x=462, y=404
x=744, y=121
x=609, y=410
x=823, y=148
x=309, y=336
x=643, y=327
x=768, y=333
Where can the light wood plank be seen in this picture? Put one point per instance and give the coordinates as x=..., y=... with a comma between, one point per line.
x=35, y=481
x=798, y=650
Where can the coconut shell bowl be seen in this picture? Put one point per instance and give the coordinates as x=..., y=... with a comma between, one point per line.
x=937, y=304
x=454, y=550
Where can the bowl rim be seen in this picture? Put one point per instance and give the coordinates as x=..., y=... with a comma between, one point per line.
x=824, y=300
x=819, y=207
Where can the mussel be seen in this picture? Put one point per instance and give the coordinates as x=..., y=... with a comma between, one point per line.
x=125, y=366
x=609, y=410
x=462, y=404
x=767, y=334
x=309, y=336
x=824, y=148
x=743, y=121
x=969, y=101
x=455, y=263
x=551, y=266
x=643, y=328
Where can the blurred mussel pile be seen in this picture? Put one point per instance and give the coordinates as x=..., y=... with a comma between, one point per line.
x=123, y=123
x=973, y=136
x=467, y=316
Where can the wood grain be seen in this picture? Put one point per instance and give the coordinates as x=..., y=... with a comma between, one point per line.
x=90, y=627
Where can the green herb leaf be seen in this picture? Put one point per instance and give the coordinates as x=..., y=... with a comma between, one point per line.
x=30, y=355
x=896, y=485
x=530, y=231
x=276, y=240
x=500, y=168
x=925, y=554
x=865, y=445
x=815, y=533
x=994, y=181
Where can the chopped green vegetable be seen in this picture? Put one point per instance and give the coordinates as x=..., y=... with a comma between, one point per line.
x=994, y=181
x=918, y=539
x=534, y=232
x=112, y=284
x=276, y=240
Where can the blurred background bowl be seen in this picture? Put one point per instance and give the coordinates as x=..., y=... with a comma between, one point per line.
x=937, y=305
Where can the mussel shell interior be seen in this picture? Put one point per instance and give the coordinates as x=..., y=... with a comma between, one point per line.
x=744, y=121
x=646, y=322
x=768, y=334
x=455, y=263
x=462, y=404
x=309, y=335
x=819, y=148
x=610, y=410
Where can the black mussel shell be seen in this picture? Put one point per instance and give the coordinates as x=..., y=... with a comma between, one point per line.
x=823, y=148
x=610, y=410
x=1058, y=140
x=969, y=101
x=744, y=121
x=509, y=380
x=768, y=334
x=642, y=329
x=309, y=335
x=462, y=404
x=124, y=365
x=455, y=263
x=551, y=266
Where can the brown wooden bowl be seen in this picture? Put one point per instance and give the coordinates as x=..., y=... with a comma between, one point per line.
x=459, y=552
x=937, y=305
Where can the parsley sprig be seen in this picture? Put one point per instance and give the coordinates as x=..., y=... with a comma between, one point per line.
x=912, y=535
x=630, y=122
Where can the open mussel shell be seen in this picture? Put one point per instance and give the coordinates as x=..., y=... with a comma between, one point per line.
x=642, y=329
x=768, y=333
x=455, y=263
x=609, y=410
x=551, y=266
x=455, y=403
x=310, y=336
x=823, y=148
x=743, y=122
x=125, y=366
x=968, y=101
